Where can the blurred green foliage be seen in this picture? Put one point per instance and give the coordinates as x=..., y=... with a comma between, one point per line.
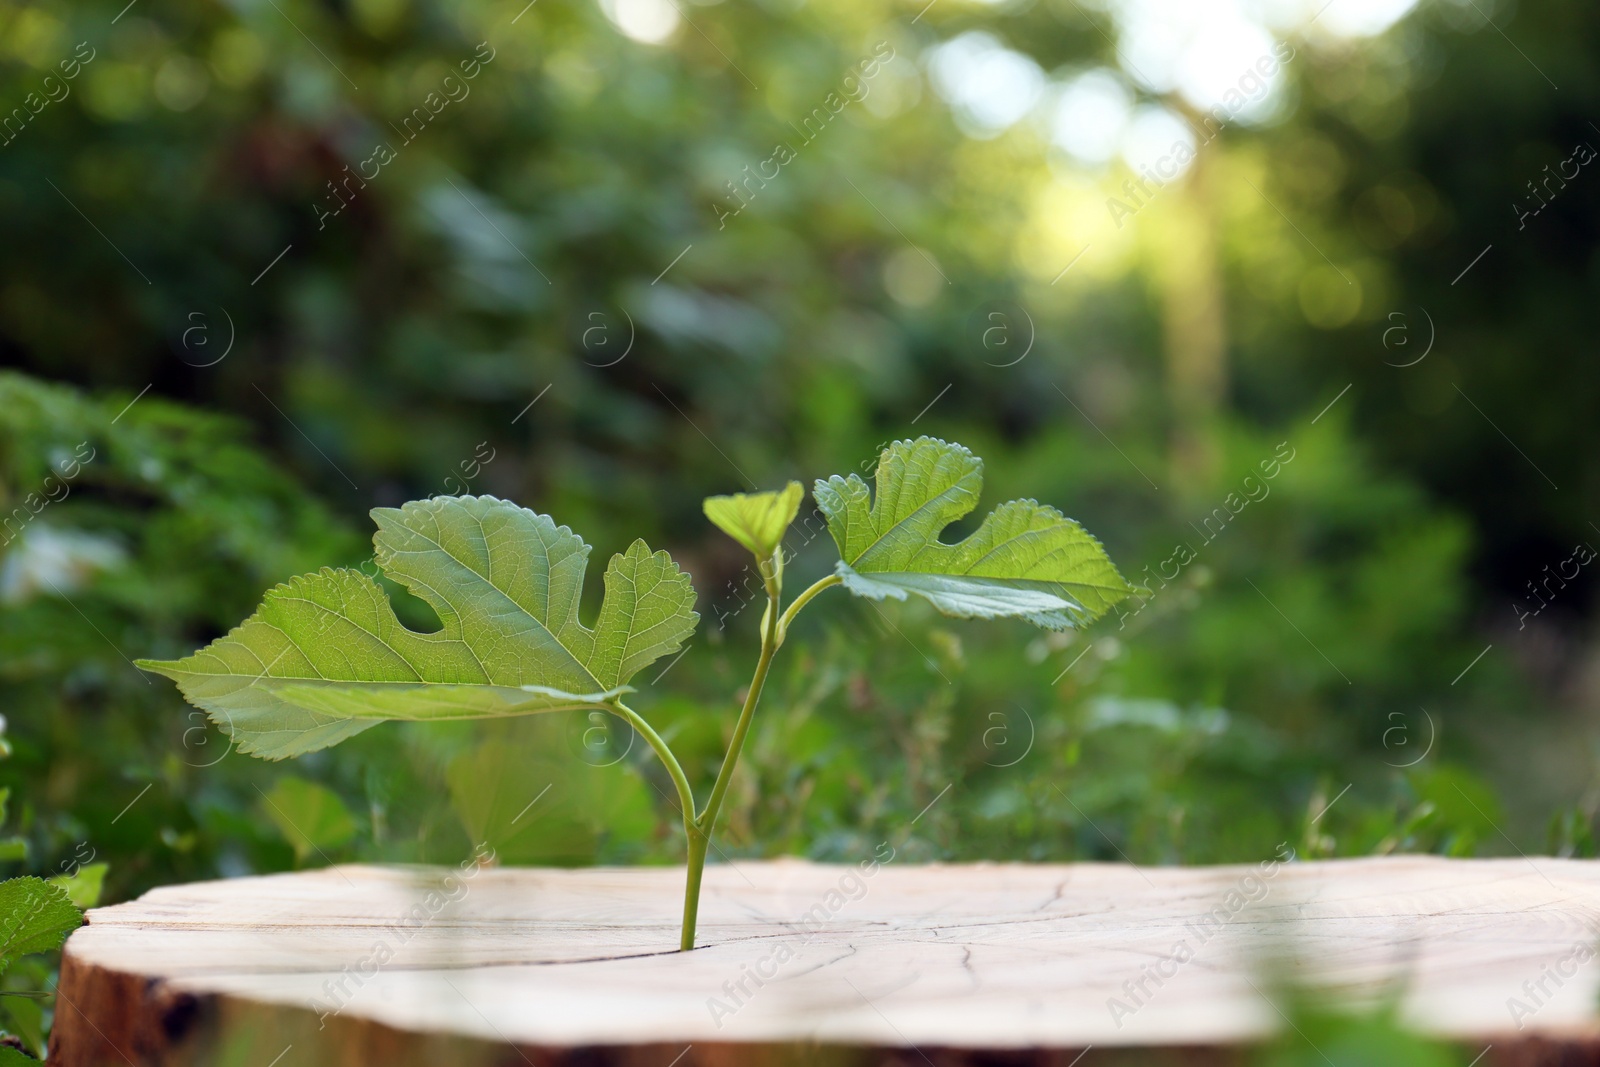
x=311, y=817
x=1133, y=739
x=537, y=298
x=1322, y=1030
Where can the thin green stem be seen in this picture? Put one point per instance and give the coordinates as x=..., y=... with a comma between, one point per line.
x=691, y=890
x=679, y=779
x=802, y=600
x=704, y=824
x=695, y=837
x=769, y=645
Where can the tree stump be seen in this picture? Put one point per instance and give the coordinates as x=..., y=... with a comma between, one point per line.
x=805, y=963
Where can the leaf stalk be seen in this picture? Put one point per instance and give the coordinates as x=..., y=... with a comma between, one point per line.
x=670, y=761
x=802, y=600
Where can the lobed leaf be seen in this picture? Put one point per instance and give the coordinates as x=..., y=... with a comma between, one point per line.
x=324, y=657
x=1026, y=560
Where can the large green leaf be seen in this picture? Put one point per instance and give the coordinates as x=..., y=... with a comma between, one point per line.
x=324, y=657
x=35, y=916
x=1027, y=560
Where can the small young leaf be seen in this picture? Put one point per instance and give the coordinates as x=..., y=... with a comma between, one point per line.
x=35, y=916
x=324, y=657
x=1027, y=560
x=757, y=521
x=310, y=816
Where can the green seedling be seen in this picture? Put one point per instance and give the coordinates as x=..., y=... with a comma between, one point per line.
x=324, y=657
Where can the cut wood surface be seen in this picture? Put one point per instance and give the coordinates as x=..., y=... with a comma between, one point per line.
x=353, y=965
